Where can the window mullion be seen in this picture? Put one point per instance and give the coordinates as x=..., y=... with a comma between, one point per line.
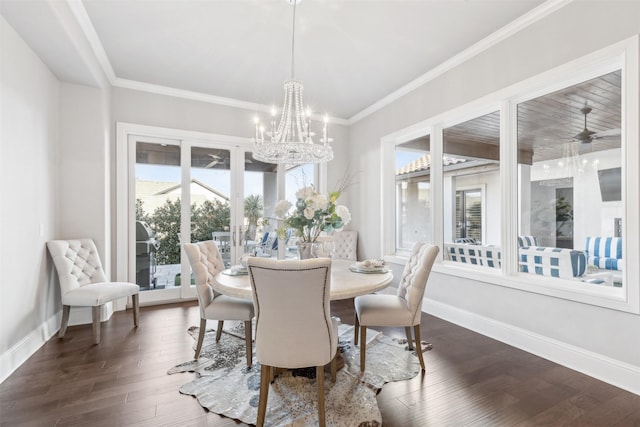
x=509, y=186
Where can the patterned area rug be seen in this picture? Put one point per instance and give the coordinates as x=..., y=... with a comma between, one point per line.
x=225, y=385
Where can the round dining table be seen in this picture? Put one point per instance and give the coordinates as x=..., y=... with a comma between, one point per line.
x=345, y=283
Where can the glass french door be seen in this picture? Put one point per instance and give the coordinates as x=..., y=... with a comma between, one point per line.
x=184, y=191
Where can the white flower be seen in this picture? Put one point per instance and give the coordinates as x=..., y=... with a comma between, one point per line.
x=309, y=213
x=318, y=202
x=305, y=192
x=343, y=212
x=282, y=207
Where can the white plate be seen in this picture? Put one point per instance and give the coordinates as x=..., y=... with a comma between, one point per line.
x=369, y=270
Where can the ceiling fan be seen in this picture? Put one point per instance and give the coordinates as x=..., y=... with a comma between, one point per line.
x=217, y=160
x=587, y=136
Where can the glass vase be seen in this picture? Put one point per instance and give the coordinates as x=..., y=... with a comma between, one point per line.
x=308, y=250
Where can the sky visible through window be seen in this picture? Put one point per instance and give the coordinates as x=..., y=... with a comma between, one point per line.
x=404, y=157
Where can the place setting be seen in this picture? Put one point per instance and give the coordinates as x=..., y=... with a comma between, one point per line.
x=369, y=266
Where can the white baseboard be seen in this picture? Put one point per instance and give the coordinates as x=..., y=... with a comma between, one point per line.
x=11, y=359
x=25, y=348
x=612, y=371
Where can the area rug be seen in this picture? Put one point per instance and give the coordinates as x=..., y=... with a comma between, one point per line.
x=225, y=385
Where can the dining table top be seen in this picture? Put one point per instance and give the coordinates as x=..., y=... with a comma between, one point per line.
x=345, y=283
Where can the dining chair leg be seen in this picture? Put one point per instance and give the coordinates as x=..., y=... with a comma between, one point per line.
x=219, y=330
x=407, y=331
x=363, y=346
x=264, y=394
x=248, y=339
x=320, y=379
x=201, y=331
x=416, y=330
x=334, y=367
x=356, y=326
x=65, y=320
x=95, y=314
x=136, y=310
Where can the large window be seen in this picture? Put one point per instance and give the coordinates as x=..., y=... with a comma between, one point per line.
x=571, y=205
x=539, y=194
x=471, y=188
x=413, y=194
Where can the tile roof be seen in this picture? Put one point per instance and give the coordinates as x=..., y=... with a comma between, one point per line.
x=424, y=163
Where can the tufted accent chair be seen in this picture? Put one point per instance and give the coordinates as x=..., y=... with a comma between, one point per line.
x=206, y=262
x=294, y=328
x=83, y=281
x=345, y=245
x=402, y=309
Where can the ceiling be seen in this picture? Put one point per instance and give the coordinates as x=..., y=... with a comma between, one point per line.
x=348, y=54
x=351, y=55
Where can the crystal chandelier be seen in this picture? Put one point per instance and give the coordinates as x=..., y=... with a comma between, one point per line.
x=291, y=142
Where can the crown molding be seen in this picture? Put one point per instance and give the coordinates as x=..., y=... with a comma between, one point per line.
x=545, y=9
x=203, y=97
x=80, y=13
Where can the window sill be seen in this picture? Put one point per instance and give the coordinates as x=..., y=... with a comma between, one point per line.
x=572, y=290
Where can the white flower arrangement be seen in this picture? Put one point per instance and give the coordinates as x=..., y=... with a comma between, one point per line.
x=313, y=213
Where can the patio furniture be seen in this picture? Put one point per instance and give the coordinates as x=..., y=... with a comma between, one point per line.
x=604, y=252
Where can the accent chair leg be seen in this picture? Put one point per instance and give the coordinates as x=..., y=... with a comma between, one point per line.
x=136, y=310
x=248, y=339
x=65, y=320
x=265, y=376
x=201, y=331
x=95, y=314
x=219, y=330
x=363, y=346
x=416, y=330
x=320, y=379
x=356, y=326
x=407, y=330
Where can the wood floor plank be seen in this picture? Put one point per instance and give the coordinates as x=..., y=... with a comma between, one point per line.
x=470, y=380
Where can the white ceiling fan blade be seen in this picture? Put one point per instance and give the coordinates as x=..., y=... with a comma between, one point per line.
x=610, y=132
x=212, y=164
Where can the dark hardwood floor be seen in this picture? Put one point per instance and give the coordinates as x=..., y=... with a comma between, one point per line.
x=471, y=380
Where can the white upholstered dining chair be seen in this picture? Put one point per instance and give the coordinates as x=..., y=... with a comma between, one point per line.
x=206, y=262
x=293, y=326
x=402, y=309
x=83, y=282
x=345, y=245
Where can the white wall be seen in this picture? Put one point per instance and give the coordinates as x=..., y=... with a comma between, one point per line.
x=85, y=134
x=55, y=185
x=608, y=336
x=29, y=301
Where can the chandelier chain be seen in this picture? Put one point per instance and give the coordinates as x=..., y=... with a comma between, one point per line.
x=293, y=41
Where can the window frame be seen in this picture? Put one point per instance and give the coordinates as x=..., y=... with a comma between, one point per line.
x=622, y=55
